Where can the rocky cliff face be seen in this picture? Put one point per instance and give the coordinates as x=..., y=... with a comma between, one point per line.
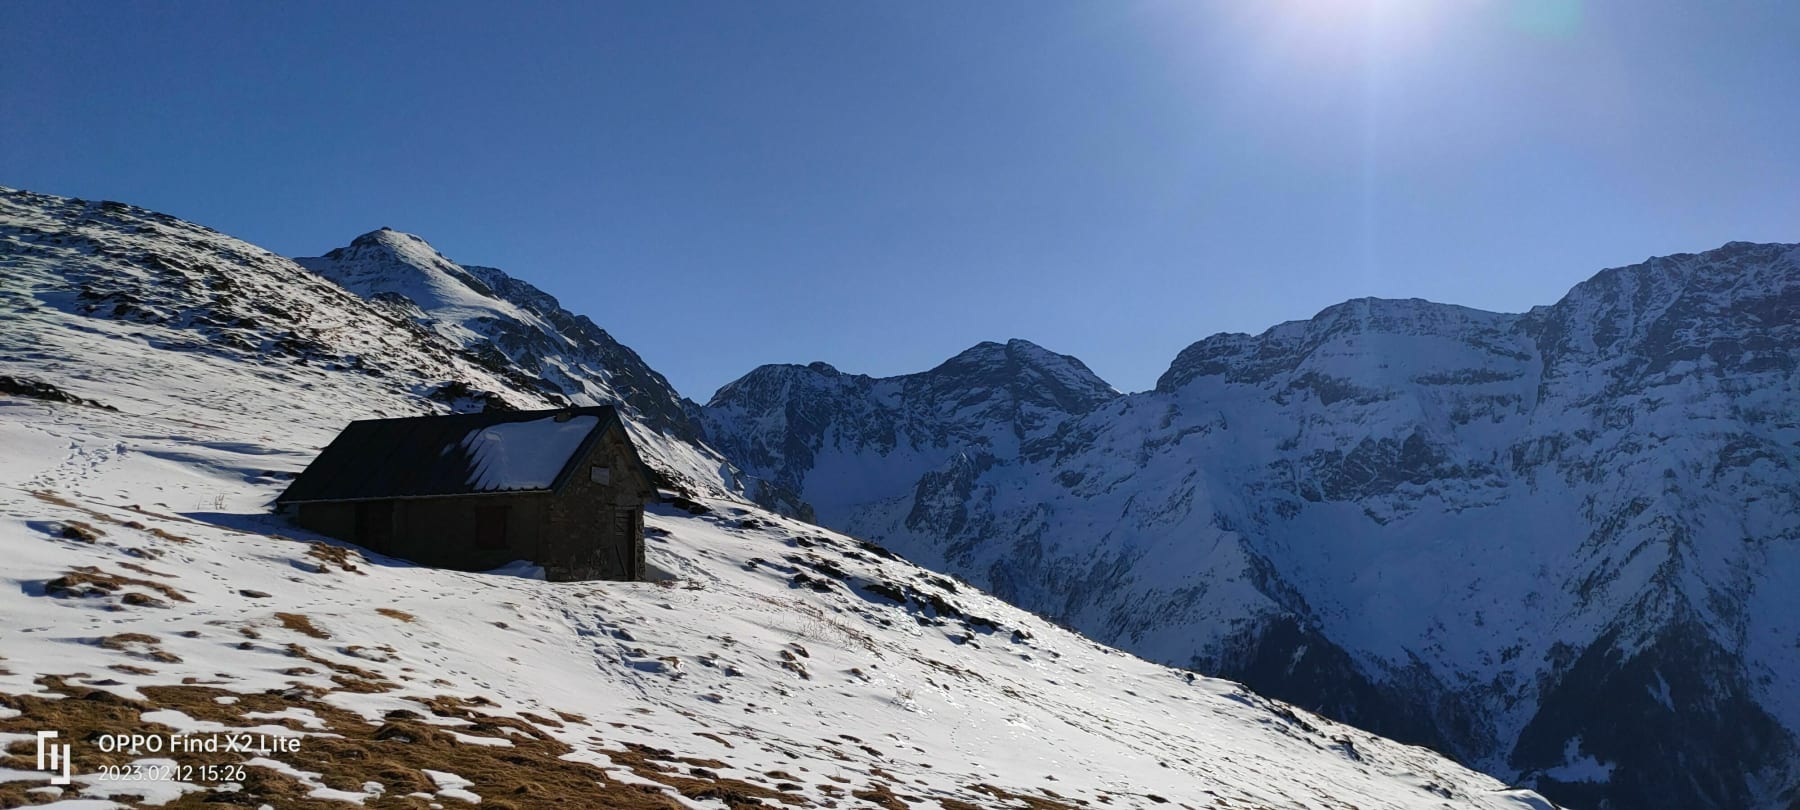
x=1541, y=542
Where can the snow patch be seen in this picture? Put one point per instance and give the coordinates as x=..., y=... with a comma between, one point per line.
x=1578, y=767
x=524, y=455
x=451, y=786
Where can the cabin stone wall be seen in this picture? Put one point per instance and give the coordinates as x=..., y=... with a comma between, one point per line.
x=439, y=532
x=595, y=530
x=330, y=519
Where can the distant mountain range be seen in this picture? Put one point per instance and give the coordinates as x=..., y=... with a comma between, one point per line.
x=1562, y=545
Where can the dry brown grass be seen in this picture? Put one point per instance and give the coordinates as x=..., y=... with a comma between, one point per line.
x=348, y=678
x=139, y=645
x=87, y=580
x=80, y=532
x=531, y=773
x=169, y=536
x=398, y=615
x=1033, y=802
x=298, y=623
x=131, y=566
x=880, y=795
x=330, y=555
x=52, y=498
x=700, y=782
x=714, y=737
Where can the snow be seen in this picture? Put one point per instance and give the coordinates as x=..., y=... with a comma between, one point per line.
x=433, y=283
x=305, y=717
x=1579, y=767
x=183, y=724
x=451, y=786
x=525, y=569
x=524, y=455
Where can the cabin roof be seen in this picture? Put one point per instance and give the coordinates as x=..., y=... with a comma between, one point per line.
x=457, y=454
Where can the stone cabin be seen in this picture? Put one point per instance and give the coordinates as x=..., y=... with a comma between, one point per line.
x=564, y=489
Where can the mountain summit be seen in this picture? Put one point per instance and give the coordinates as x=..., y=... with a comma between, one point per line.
x=387, y=262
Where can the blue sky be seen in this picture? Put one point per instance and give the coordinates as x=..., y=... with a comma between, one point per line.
x=882, y=184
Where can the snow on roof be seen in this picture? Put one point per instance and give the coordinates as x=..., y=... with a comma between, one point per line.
x=523, y=455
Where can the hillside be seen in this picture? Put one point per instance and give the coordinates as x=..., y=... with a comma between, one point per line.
x=162, y=382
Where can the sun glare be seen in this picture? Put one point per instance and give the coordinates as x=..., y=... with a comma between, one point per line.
x=1322, y=32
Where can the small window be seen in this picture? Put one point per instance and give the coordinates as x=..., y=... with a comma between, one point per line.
x=490, y=527
x=599, y=474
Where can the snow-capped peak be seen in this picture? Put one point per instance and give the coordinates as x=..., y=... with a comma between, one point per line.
x=386, y=261
x=1026, y=370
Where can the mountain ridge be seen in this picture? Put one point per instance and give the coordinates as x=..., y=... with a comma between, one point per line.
x=1618, y=470
x=989, y=398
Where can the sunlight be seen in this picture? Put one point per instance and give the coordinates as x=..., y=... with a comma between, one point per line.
x=1321, y=32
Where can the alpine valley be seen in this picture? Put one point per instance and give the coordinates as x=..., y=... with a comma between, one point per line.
x=1561, y=547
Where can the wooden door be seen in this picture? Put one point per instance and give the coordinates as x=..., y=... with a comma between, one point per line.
x=627, y=543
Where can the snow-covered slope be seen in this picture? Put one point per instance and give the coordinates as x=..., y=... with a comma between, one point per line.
x=183, y=319
x=148, y=591
x=1563, y=545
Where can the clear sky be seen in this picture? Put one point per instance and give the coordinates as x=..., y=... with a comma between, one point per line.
x=882, y=184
